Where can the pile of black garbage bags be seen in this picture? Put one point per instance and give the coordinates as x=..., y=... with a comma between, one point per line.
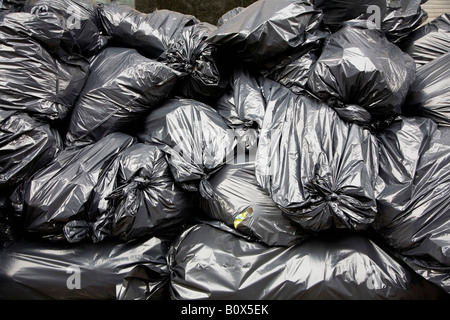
x=294, y=150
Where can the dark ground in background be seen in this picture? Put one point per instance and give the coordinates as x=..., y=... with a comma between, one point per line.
x=206, y=11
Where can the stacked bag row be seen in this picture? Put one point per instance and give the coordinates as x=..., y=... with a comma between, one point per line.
x=294, y=150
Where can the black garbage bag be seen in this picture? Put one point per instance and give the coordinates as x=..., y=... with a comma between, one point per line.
x=402, y=17
x=61, y=191
x=82, y=26
x=198, y=64
x=243, y=103
x=362, y=75
x=240, y=203
x=242, y=106
x=136, y=197
x=321, y=170
x=295, y=73
x=429, y=95
x=414, y=211
x=31, y=78
x=293, y=70
x=266, y=29
x=430, y=41
x=396, y=18
x=36, y=269
x=195, y=139
x=150, y=33
x=46, y=28
x=26, y=145
x=122, y=87
x=216, y=263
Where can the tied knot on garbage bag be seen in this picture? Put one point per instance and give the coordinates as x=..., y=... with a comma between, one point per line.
x=206, y=189
x=137, y=182
x=78, y=230
x=351, y=112
x=131, y=192
x=319, y=169
x=324, y=193
x=197, y=61
x=356, y=114
x=323, y=190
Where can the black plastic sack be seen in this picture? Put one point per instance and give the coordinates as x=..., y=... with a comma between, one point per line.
x=429, y=95
x=62, y=191
x=414, y=211
x=319, y=169
x=218, y=264
x=402, y=17
x=26, y=145
x=136, y=197
x=122, y=87
x=295, y=74
x=31, y=78
x=195, y=138
x=150, y=33
x=266, y=29
x=242, y=106
x=397, y=18
x=197, y=61
x=241, y=204
x=44, y=27
x=362, y=75
x=430, y=41
x=35, y=269
x=82, y=26
x=243, y=103
x=293, y=70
